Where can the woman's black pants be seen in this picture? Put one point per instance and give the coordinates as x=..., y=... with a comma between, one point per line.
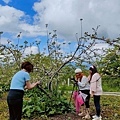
x=15, y=103
x=97, y=104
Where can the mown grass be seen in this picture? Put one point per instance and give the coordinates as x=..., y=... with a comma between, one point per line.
x=110, y=107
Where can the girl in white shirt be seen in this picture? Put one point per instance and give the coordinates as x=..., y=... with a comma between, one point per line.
x=95, y=90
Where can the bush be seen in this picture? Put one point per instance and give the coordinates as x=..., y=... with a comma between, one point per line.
x=41, y=104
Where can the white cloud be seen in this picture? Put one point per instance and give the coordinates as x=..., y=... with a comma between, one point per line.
x=31, y=50
x=10, y=19
x=3, y=41
x=15, y=21
x=64, y=16
x=100, y=46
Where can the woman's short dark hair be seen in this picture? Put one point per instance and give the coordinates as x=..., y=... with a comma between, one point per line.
x=27, y=66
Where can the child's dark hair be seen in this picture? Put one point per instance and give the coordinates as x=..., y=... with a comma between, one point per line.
x=94, y=70
x=27, y=66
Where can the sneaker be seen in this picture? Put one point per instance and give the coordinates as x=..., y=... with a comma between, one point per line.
x=87, y=116
x=94, y=116
x=81, y=114
x=97, y=118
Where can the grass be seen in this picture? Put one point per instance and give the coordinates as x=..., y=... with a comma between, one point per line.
x=110, y=106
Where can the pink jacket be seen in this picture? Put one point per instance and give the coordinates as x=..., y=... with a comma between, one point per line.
x=96, y=85
x=78, y=101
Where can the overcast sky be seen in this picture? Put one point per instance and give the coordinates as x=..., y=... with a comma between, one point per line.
x=30, y=17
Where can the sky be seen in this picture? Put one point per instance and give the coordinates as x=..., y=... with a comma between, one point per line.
x=31, y=16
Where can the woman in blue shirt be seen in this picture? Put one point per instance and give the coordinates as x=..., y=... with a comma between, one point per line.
x=20, y=81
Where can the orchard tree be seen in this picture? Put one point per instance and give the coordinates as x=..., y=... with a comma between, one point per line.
x=110, y=70
x=51, y=67
x=110, y=64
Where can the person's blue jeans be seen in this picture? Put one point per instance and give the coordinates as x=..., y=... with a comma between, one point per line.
x=97, y=104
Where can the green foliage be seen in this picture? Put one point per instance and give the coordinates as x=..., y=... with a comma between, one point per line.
x=40, y=104
x=110, y=70
x=111, y=84
x=110, y=64
x=1, y=93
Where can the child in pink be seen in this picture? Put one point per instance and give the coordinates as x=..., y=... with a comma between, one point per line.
x=78, y=100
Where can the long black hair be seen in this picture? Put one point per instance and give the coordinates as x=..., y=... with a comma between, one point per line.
x=94, y=70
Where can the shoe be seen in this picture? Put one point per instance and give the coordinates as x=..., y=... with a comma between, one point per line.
x=81, y=114
x=96, y=118
x=87, y=116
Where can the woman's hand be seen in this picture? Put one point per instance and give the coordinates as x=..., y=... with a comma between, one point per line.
x=38, y=82
x=92, y=94
x=31, y=85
